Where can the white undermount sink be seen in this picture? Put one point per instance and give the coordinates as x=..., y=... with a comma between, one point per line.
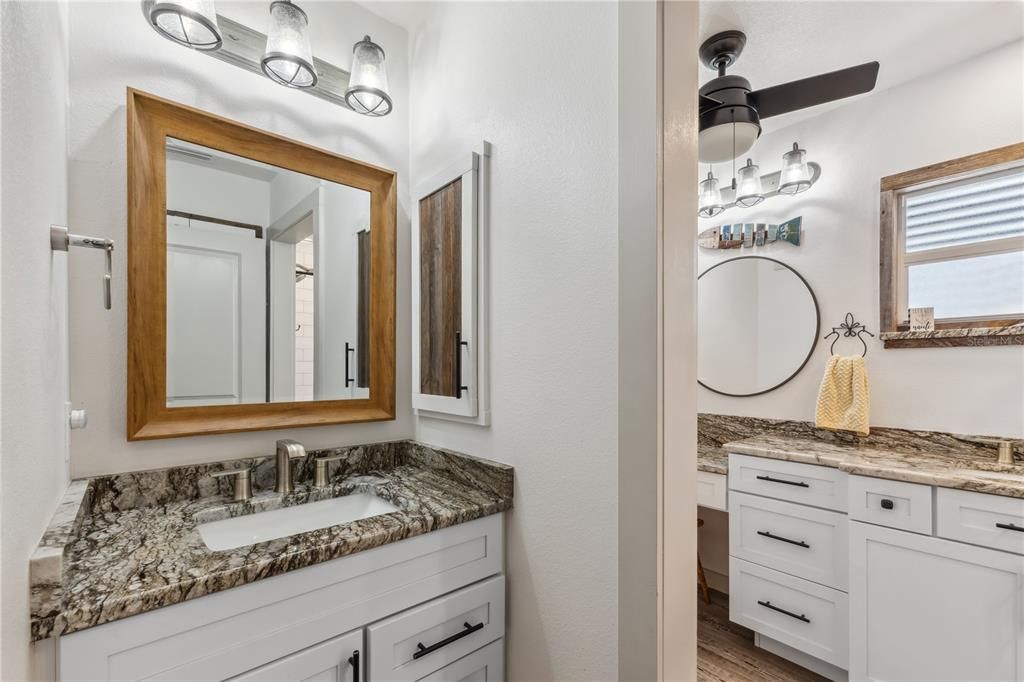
x=279, y=523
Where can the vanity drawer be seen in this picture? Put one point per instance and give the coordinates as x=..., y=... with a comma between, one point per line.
x=793, y=481
x=712, y=490
x=802, y=541
x=987, y=520
x=483, y=665
x=806, y=616
x=417, y=642
x=895, y=504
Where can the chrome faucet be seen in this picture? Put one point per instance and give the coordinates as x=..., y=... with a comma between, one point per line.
x=287, y=450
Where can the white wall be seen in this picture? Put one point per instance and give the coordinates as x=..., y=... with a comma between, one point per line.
x=112, y=48
x=938, y=117
x=33, y=438
x=539, y=80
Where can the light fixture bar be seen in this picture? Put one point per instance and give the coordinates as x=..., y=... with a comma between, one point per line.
x=243, y=47
x=769, y=185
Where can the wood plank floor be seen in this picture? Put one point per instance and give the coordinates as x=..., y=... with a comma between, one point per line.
x=726, y=651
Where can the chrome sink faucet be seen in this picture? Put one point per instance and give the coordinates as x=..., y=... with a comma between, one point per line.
x=287, y=450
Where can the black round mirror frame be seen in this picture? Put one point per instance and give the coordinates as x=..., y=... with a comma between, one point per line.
x=814, y=341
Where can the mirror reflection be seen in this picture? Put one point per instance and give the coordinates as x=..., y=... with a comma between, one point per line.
x=267, y=282
x=757, y=325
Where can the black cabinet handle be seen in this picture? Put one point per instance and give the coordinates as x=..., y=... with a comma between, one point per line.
x=887, y=504
x=459, y=343
x=768, y=604
x=353, y=660
x=1010, y=526
x=798, y=543
x=349, y=348
x=799, y=484
x=424, y=650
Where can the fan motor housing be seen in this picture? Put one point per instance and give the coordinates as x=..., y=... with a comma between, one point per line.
x=731, y=91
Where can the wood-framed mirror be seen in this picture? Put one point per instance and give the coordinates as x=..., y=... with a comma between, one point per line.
x=261, y=279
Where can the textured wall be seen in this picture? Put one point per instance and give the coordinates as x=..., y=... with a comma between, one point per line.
x=920, y=122
x=112, y=48
x=33, y=311
x=539, y=80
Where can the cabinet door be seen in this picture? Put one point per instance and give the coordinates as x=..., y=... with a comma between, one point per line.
x=336, y=660
x=923, y=608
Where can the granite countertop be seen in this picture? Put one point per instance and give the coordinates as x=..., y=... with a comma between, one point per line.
x=712, y=459
x=126, y=544
x=945, y=467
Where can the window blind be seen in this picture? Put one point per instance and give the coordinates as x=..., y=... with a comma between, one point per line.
x=979, y=209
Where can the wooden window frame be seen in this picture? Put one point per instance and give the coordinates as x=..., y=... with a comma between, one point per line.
x=151, y=120
x=966, y=331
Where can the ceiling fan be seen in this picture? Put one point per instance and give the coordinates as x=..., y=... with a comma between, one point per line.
x=728, y=100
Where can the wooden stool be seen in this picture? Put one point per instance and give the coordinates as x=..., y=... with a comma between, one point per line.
x=701, y=580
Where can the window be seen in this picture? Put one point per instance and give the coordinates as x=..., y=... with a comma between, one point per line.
x=952, y=239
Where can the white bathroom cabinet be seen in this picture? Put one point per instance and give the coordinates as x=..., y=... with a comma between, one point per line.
x=431, y=607
x=925, y=608
x=888, y=580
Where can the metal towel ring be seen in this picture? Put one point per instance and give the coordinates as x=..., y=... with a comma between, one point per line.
x=849, y=328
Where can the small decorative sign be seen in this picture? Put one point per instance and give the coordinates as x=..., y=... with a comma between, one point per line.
x=746, y=235
x=922, y=319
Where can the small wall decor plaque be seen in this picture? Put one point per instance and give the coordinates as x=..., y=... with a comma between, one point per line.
x=922, y=319
x=748, y=235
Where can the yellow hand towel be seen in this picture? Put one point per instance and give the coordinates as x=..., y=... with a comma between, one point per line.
x=844, y=400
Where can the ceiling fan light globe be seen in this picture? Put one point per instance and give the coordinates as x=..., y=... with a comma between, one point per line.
x=717, y=145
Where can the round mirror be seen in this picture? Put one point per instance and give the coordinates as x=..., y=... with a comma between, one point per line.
x=757, y=324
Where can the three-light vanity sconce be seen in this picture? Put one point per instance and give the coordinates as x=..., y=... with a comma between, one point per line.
x=284, y=54
x=751, y=188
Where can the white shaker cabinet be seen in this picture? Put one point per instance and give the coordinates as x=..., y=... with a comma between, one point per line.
x=336, y=660
x=925, y=608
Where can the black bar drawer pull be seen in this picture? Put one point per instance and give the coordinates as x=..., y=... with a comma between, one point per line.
x=798, y=543
x=349, y=348
x=1010, y=526
x=424, y=650
x=768, y=604
x=799, y=484
x=353, y=661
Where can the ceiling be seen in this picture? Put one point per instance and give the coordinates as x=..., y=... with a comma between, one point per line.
x=792, y=40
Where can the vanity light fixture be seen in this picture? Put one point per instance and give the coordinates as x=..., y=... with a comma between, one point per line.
x=192, y=23
x=797, y=175
x=288, y=57
x=710, y=203
x=368, y=81
x=284, y=54
x=749, y=192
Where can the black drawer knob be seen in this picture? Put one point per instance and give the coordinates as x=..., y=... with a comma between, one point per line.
x=887, y=504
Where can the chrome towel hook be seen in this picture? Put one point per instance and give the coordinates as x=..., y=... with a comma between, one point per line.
x=61, y=239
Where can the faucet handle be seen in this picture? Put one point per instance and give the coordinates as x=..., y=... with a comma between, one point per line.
x=1004, y=449
x=293, y=448
x=320, y=474
x=243, y=482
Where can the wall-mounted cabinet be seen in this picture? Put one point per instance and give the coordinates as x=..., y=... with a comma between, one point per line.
x=449, y=292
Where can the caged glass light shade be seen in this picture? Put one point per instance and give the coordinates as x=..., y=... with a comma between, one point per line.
x=288, y=57
x=710, y=202
x=749, y=192
x=368, y=83
x=192, y=23
x=796, y=176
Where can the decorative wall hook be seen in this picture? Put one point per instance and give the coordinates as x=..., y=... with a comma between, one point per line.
x=61, y=239
x=849, y=328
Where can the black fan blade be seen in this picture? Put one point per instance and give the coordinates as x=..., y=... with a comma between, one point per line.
x=706, y=102
x=809, y=92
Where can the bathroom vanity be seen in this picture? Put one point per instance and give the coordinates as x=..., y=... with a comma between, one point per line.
x=126, y=578
x=889, y=565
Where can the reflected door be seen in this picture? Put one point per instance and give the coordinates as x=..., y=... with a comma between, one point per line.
x=215, y=314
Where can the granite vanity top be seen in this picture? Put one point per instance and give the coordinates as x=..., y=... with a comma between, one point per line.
x=126, y=544
x=712, y=459
x=944, y=468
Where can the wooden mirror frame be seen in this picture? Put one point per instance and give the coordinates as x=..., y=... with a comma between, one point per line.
x=151, y=120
